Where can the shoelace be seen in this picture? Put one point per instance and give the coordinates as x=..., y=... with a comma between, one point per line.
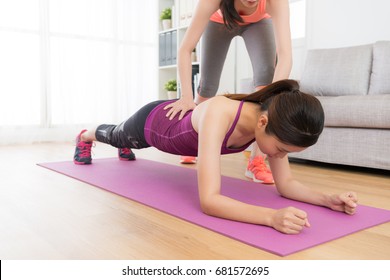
x=85, y=149
x=262, y=168
x=258, y=165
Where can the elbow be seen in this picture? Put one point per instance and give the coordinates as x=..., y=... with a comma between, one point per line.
x=282, y=189
x=207, y=207
x=286, y=193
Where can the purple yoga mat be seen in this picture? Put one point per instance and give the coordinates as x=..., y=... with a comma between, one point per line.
x=173, y=190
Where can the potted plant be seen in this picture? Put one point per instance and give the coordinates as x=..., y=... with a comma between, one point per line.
x=171, y=87
x=166, y=18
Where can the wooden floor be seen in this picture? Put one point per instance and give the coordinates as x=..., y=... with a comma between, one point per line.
x=45, y=215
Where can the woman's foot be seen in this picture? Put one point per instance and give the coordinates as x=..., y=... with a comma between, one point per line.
x=82, y=154
x=258, y=171
x=125, y=154
x=187, y=160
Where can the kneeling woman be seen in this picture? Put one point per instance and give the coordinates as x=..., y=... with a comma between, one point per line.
x=280, y=118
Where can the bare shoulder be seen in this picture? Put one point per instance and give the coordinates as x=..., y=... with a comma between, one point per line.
x=217, y=109
x=219, y=99
x=210, y=3
x=207, y=7
x=220, y=105
x=275, y=6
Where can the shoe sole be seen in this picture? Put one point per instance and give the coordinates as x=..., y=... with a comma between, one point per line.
x=127, y=159
x=81, y=163
x=187, y=161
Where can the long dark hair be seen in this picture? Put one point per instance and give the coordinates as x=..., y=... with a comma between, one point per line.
x=294, y=117
x=231, y=18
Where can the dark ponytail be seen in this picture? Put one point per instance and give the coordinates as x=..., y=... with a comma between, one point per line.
x=231, y=18
x=294, y=117
x=262, y=95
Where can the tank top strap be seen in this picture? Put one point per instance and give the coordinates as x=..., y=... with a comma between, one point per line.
x=234, y=123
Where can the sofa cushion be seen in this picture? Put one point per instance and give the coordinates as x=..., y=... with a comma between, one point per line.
x=341, y=71
x=362, y=111
x=380, y=76
x=350, y=146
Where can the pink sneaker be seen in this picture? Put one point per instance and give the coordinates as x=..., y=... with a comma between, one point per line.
x=125, y=154
x=82, y=154
x=258, y=171
x=187, y=160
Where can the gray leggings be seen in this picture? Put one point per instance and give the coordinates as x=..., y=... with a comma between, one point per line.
x=260, y=44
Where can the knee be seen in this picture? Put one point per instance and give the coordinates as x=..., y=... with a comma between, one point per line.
x=264, y=76
x=207, y=90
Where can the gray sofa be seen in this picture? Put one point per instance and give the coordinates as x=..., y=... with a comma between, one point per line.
x=353, y=85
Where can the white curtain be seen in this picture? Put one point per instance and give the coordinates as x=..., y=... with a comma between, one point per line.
x=70, y=64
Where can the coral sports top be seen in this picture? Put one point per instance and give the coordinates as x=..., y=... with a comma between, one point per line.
x=258, y=15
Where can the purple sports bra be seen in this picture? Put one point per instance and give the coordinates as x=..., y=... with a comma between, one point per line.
x=179, y=137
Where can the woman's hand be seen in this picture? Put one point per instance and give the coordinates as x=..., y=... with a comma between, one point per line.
x=345, y=202
x=290, y=220
x=180, y=106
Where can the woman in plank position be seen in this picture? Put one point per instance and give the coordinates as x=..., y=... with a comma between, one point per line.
x=280, y=118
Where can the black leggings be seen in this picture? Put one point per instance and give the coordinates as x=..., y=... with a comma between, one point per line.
x=130, y=133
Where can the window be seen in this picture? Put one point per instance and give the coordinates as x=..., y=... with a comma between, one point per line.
x=20, y=62
x=73, y=62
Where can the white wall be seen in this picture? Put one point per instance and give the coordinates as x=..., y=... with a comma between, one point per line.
x=340, y=23
x=332, y=24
